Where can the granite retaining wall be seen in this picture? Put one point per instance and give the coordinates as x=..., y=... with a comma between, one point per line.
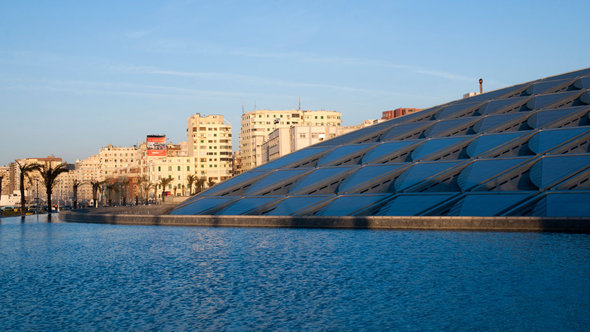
x=535, y=224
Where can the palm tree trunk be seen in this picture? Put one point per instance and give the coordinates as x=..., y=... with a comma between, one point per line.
x=49, y=206
x=22, y=195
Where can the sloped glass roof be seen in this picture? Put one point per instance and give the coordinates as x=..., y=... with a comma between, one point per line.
x=246, y=205
x=412, y=204
x=293, y=205
x=384, y=149
x=274, y=178
x=367, y=174
x=350, y=205
x=521, y=149
x=483, y=170
x=548, y=139
x=320, y=176
x=204, y=205
x=342, y=152
x=422, y=172
x=551, y=169
x=487, y=203
x=434, y=145
x=563, y=204
x=487, y=142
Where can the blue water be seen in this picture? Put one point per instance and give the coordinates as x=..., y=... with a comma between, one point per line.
x=62, y=276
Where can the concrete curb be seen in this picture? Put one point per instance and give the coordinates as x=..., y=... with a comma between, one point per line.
x=527, y=224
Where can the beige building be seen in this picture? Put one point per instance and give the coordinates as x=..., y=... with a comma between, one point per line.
x=257, y=125
x=209, y=143
x=116, y=160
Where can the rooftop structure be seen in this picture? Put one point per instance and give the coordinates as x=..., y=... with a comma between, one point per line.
x=517, y=151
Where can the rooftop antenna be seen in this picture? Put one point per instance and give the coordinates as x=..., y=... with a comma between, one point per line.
x=242, y=108
x=299, y=108
x=255, y=105
x=480, y=85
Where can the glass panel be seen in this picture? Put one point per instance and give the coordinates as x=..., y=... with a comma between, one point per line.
x=292, y=205
x=281, y=176
x=341, y=153
x=403, y=130
x=484, y=170
x=546, y=86
x=454, y=110
x=320, y=176
x=246, y=204
x=547, y=100
x=583, y=83
x=421, y=172
x=297, y=156
x=348, y=205
x=564, y=204
x=445, y=127
x=490, y=122
x=551, y=169
x=548, y=139
x=495, y=106
x=358, y=135
x=487, y=204
x=384, y=149
x=205, y=205
x=236, y=181
x=543, y=119
x=489, y=141
x=368, y=174
x=436, y=144
x=412, y=204
x=573, y=74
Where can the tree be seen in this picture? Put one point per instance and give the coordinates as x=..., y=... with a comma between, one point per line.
x=75, y=184
x=190, y=179
x=124, y=187
x=139, y=185
x=24, y=171
x=49, y=174
x=95, y=189
x=200, y=184
x=1, y=178
x=164, y=182
x=210, y=183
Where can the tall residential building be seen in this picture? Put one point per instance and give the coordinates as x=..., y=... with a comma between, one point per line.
x=257, y=125
x=116, y=160
x=209, y=142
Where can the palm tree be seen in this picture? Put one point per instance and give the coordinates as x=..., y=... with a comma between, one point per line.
x=139, y=185
x=24, y=171
x=210, y=183
x=1, y=178
x=164, y=182
x=200, y=184
x=190, y=179
x=49, y=174
x=147, y=186
x=124, y=186
x=95, y=189
x=75, y=184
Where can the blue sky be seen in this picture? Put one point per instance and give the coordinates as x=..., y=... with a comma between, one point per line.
x=78, y=75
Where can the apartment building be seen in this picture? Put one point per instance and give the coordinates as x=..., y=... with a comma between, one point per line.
x=209, y=143
x=257, y=125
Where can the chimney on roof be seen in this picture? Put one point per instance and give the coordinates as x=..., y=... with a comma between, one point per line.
x=481, y=85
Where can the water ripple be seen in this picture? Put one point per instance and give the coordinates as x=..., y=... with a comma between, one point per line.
x=59, y=276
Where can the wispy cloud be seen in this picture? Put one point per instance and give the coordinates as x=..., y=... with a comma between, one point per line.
x=250, y=79
x=109, y=88
x=356, y=62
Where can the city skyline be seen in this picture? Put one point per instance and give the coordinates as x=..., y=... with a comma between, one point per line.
x=78, y=76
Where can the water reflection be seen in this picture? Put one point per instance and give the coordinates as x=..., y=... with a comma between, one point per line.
x=86, y=276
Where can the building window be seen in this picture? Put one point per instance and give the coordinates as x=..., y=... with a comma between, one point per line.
x=159, y=170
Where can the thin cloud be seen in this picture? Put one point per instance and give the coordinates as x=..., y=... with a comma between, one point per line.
x=247, y=79
x=356, y=62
